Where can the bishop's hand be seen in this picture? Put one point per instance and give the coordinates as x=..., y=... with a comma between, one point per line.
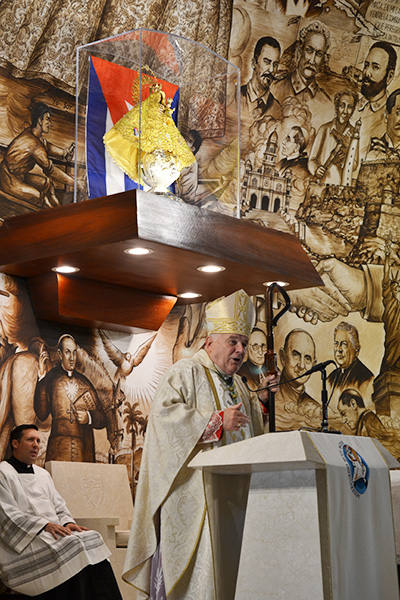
x=234, y=419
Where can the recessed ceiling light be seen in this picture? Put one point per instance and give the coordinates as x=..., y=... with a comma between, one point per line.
x=281, y=283
x=138, y=251
x=65, y=269
x=189, y=295
x=211, y=268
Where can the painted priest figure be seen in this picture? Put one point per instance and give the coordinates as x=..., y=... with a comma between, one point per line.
x=43, y=552
x=200, y=404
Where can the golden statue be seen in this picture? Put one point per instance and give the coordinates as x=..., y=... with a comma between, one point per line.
x=163, y=150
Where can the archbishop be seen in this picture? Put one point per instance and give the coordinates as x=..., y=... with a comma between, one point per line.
x=200, y=404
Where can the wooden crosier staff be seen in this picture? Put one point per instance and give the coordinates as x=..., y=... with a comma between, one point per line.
x=270, y=355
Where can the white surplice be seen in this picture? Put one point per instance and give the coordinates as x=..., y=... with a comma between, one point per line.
x=32, y=561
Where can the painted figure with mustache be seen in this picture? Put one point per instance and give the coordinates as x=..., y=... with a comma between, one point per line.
x=329, y=150
x=256, y=97
x=378, y=73
x=311, y=48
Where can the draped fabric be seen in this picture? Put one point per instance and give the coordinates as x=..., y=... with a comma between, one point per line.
x=39, y=37
x=360, y=536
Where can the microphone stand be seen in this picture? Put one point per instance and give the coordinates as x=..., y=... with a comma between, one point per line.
x=324, y=397
x=324, y=402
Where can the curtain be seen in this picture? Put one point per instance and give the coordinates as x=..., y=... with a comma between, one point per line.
x=39, y=37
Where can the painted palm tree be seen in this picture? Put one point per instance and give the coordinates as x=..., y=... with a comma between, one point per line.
x=135, y=423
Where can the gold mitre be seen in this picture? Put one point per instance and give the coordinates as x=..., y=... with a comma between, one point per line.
x=157, y=132
x=231, y=314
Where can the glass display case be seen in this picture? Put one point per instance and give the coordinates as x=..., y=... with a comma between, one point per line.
x=159, y=112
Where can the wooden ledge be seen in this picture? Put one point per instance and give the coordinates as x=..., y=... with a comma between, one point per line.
x=118, y=291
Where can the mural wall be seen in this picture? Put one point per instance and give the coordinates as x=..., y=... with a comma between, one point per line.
x=320, y=104
x=53, y=377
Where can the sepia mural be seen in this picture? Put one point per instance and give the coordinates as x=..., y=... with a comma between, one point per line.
x=319, y=158
x=320, y=105
x=88, y=391
x=36, y=146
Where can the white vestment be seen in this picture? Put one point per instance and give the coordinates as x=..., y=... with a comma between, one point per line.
x=32, y=561
x=170, y=505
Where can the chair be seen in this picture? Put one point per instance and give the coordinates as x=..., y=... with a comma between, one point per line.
x=99, y=497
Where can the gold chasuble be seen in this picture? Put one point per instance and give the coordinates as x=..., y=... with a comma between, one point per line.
x=174, y=495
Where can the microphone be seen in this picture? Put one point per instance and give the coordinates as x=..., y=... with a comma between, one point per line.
x=314, y=369
x=319, y=367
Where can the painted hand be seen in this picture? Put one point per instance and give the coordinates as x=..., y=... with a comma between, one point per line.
x=344, y=292
x=82, y=416
x=267, y=380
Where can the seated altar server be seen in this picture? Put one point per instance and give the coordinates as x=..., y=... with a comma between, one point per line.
x=200, y=403
x=43, y=552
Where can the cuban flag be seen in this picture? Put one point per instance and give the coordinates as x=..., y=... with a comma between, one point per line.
x=109, y=98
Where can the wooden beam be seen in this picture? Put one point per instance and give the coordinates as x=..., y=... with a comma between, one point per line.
x=240, y=241
x=71, y=228
x=117, y=290
x=90, y=303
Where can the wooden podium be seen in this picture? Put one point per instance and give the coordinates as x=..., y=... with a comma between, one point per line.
x=301, y=516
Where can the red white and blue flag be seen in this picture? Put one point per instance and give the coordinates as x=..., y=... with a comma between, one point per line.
x=109, y=98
